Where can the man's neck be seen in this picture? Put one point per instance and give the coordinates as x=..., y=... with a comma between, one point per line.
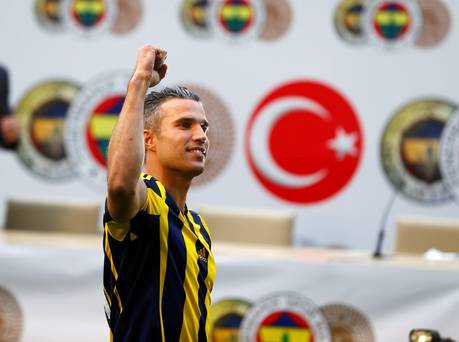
x=176, y=184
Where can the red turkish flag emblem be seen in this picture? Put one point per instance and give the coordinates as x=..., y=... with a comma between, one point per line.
x=304, y=142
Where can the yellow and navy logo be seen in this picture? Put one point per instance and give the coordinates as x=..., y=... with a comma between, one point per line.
x=236, y=16
x=284, y=326
x=88, y=17
x=48, y=13
x=347, y=323
x=92, y=117
x=100, y=126
x=194, y=16
x=226, y=317
x=349, y=21
x=237, y=19
x=410, y=149
x=42, y=112
x=393, y=23
x=284, y=316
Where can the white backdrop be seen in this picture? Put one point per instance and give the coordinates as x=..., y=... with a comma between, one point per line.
x=375, y=81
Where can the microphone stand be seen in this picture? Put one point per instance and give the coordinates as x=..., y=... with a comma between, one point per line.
x=382, y=230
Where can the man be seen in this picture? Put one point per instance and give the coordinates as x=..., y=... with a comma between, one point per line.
x=9, y=125
x=158, y=269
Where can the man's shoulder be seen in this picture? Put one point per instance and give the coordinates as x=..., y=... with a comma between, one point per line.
x=153, y=183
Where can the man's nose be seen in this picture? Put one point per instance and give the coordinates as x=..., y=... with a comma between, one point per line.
x=199, y=134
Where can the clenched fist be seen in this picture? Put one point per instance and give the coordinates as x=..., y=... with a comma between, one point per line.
x=150, y=67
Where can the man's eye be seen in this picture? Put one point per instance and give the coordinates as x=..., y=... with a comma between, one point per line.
x=204, y=127
x=185, y=124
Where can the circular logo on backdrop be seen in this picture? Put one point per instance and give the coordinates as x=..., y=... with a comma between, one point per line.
x=128, y=16
x=278, y=19
x=42, y=112
x=48, y=13
x=349, y=20
x=304, y=142
x=393, y=23
x=449, y=156
x=410, y=149
x=226, y=317
x=436, y=23
x=347, y=323
x=221, y=134
x=237, y=19
x=10, y=317
x=195, y=18
x=88, y=17
x=284, y=317
x=92, y=117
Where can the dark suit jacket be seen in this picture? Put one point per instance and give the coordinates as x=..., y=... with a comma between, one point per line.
x=4, y=107
x=4, y=91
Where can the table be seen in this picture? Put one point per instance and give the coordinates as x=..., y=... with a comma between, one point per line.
x=56, y=282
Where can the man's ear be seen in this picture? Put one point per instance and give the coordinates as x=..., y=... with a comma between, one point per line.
x=150, y=139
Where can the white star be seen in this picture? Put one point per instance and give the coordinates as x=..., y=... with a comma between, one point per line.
x=343, y=143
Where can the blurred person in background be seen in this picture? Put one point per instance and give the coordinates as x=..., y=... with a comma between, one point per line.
x=9, y=125
x=158, y=268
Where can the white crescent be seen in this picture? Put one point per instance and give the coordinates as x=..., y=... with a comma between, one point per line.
x=259, y=141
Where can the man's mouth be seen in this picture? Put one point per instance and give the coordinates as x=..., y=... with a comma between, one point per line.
x=198, y=150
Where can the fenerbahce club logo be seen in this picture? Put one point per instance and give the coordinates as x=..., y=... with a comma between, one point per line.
x=304, y=142
x=236, y=20
x=88, y=17
x=288, y=317
x=226, y=318
x=410, y=150
x=42, y=112
x=284, y=317
x=393, y=23
x=91, y=119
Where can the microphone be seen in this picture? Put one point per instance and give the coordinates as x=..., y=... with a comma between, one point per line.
x=382, y=230
x=420, y=335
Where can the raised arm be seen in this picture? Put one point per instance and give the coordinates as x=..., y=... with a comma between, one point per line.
x=126, y=192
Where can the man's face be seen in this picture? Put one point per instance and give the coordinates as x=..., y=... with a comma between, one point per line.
x=181, y=144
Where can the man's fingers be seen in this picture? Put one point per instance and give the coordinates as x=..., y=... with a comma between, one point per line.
x=160, y=57
x=150, y=64
x=162, y=71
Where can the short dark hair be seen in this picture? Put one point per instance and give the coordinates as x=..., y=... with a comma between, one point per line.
x=153, y=101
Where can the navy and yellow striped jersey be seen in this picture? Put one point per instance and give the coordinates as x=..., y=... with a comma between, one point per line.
x=158, y=272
